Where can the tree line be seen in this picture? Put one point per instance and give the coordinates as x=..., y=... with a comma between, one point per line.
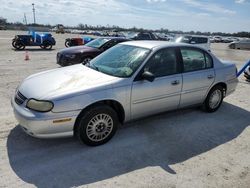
x=19, y=25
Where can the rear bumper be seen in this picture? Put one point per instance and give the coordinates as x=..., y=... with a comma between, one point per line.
x=44, y=125
x=231, y=86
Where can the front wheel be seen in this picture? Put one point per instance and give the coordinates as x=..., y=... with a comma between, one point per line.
x=86, y=60
x=97, y=125
x=46, y=46
x=214, y=99
x=232, y=46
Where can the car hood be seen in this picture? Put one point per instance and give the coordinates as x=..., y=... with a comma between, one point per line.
x=78, y=49
x=65, y=81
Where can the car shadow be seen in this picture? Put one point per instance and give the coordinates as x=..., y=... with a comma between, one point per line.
x=161, y=140
x=34, y=49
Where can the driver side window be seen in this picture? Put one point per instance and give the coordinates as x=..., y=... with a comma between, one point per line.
x=109, y=44
x=162, y=63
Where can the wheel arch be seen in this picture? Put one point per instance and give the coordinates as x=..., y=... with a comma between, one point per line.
x=115, y=105
x=222, y=84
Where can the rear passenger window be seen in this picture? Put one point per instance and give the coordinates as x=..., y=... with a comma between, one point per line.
x=209, y=62
x=194, y=60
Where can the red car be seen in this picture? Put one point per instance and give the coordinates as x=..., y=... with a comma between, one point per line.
x=83, y=54
x=77, y=41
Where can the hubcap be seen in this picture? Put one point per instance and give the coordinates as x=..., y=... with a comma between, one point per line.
x=99, y=127
x=86, y=60
x=215, y=99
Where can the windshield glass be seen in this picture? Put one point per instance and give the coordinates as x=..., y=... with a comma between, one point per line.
x=120, y=61
x=97, y=43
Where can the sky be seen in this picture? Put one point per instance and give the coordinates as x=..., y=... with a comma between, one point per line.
x=186, y=15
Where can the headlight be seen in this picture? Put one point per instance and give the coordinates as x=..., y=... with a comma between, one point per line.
x=40, y=106
x=71, y=56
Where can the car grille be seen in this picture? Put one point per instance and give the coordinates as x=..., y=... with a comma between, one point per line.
x=19, y=98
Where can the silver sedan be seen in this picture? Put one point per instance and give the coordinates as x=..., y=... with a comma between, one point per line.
x=129, y=81
x=242, y=44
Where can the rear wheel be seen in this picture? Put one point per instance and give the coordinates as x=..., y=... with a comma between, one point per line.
x=97, y=125
x=214, y=99
x=17, y=45
x=67, y=43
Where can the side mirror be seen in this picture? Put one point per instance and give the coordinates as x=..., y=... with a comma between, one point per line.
x=148, y=76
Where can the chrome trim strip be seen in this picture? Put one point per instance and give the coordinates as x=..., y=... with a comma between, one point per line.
x=156, y=98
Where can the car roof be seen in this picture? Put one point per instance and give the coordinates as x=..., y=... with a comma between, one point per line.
x=155, y=44
x=120, y=38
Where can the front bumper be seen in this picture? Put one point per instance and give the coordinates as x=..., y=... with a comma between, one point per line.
x=44, y=125
x=65, y=61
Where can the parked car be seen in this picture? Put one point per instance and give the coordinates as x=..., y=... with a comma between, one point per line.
x=218, y=39
x=145, y=36
x=200, y=41
x=60, y=29
x=242, y=44
x=77, y=41
x=83, y=54
x=129, y=81
x=44, y=40
x=247, y=73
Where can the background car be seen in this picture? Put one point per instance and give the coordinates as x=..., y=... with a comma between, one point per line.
x=242, y=44
x=200, y=41
x=83, y=54
x=77, y=41
x=147, y=36
x=44, y=40
x=129, y=81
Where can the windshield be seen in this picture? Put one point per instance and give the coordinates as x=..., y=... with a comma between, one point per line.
x=120, y=61
x=97, y=43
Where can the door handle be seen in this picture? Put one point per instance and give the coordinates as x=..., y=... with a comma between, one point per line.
x=175, y=82
x=210, y=76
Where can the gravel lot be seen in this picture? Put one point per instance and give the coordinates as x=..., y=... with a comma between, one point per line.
x=186, y=148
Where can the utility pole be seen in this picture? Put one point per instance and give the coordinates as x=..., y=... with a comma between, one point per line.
x=25, y=19
x=34, y=13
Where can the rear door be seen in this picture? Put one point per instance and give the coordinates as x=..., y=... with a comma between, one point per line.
x=198, y=75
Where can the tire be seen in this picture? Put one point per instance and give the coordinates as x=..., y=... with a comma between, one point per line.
x=46, y=46
x=49, y=47
x=214, y=99
x=67, y=44
x=232, y=46
x=97, y=122
x=86, y=60
x=17, y=45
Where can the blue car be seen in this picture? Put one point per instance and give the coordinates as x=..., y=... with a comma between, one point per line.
x=44, y=40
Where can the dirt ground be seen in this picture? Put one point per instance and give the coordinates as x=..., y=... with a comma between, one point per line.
x=186, y=148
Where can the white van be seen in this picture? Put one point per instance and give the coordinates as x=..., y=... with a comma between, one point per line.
x=200, y=41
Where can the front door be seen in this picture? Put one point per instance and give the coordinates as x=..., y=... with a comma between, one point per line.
x=163, y=93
